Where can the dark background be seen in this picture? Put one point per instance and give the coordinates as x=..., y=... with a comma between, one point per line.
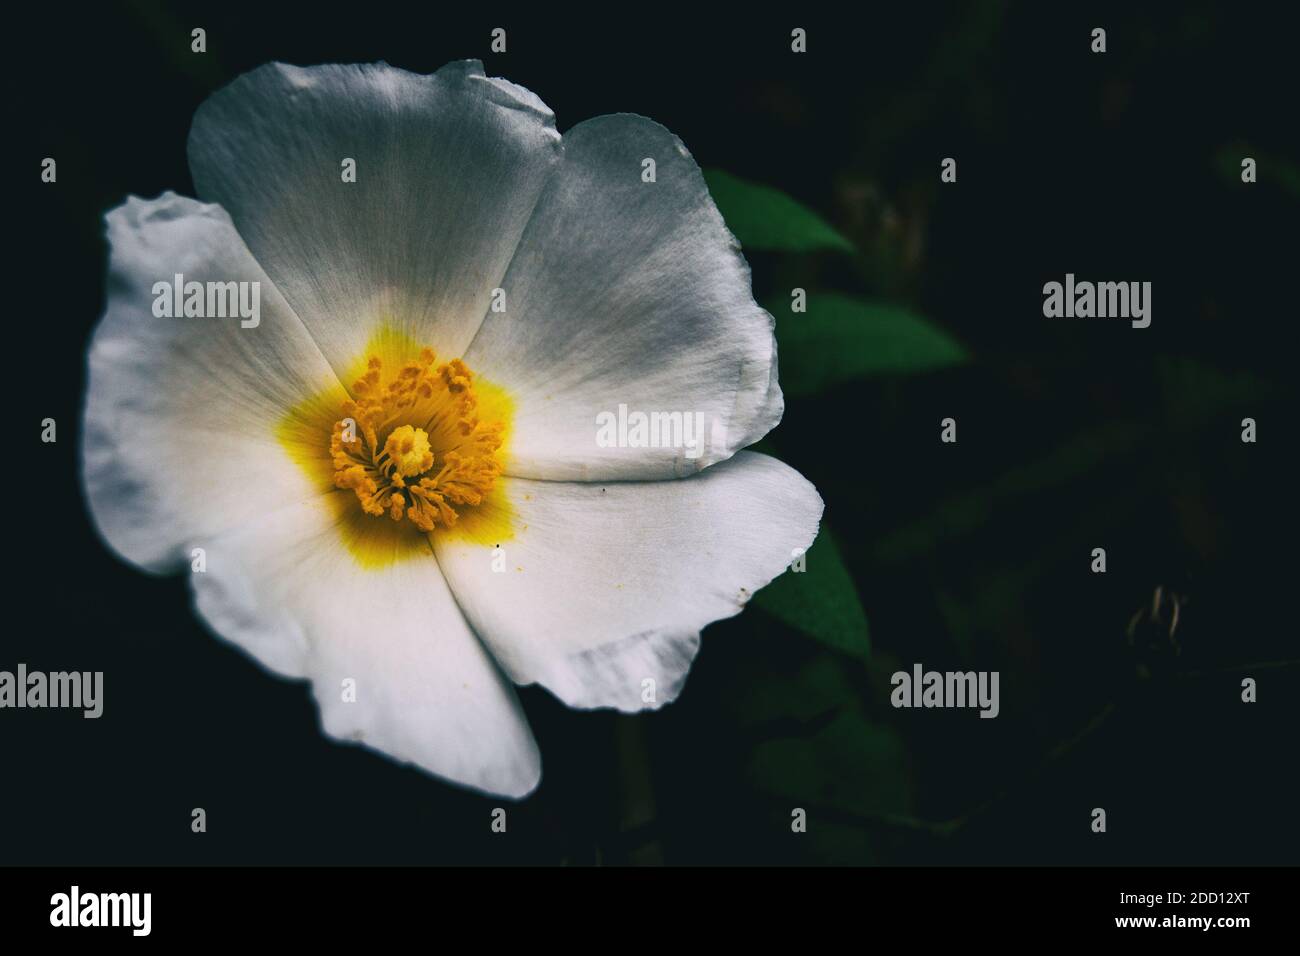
x=1073, y=434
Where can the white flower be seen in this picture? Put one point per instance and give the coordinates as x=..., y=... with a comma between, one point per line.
x=472, y=532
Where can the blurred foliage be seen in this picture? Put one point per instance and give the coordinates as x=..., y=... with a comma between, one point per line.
x=764, y=218
x=841, y=338
x=1193, y=390
x=1269, y=168
x=970, y=510
x=847, y=773
x=803, y=696
x=816, y=742
x=814, y=747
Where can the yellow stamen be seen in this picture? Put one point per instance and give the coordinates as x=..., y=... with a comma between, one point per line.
x=383, y=533
x=408, y=448
x=413, y=446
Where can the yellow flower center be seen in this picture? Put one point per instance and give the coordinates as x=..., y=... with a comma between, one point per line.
x=407, y=449
x=412, y=446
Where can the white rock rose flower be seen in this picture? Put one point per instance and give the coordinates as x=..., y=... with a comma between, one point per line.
x=394, y=473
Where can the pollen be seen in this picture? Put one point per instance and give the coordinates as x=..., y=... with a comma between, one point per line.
x=411, y=445
x=408, y=449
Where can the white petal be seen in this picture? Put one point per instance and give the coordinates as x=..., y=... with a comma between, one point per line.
x=448, y=169
x=627, y=292
x=179, y=438
x=426, y=691
x=606, y=586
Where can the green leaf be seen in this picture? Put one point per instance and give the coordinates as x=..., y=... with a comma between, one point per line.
x=1194, y=391
x=852, y=763
x=970, y=511
x=764, y=218
x=839, y=339
x=803, y=692
x=1270, y=168
x=847, y=776
x=820, y=601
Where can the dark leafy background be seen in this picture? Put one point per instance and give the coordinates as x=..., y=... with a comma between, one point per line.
x=924, y=302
